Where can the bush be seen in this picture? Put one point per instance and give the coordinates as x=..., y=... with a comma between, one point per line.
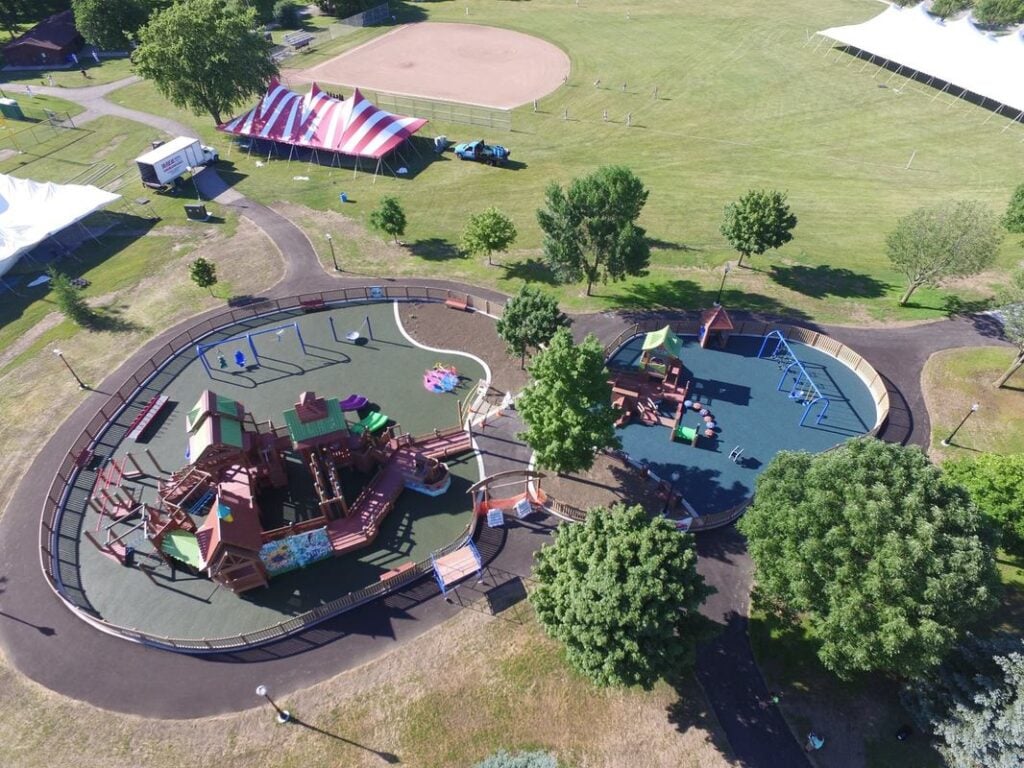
x=286, y=13
x=947, y=8
x=999, y=11
x=1013, y=219
x=502, y=759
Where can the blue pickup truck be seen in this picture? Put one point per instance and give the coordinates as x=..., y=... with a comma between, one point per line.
x=492, y=154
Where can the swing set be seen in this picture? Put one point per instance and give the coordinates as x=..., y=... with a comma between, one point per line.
x=802, y=389
x=249, y=338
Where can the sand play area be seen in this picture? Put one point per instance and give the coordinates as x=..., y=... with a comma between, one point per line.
x=466, y=63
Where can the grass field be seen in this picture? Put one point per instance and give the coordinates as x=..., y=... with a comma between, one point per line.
x=107, y=71
x=743, y=101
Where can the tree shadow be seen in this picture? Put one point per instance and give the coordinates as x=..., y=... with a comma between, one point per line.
x=824, y=280
x=434, y=249
x=109, y=319
x=956, y=305
x=531, y=270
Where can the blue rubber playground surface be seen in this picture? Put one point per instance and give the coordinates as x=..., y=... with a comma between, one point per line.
x=740, y=390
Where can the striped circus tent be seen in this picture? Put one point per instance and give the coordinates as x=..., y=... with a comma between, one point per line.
x=319, y=121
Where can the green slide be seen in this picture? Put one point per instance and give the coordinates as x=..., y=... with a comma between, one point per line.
x=371, y=423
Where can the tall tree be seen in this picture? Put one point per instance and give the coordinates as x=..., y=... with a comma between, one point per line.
x=996, y=483
x=69, y=299
x=886, y=560
x=621, y=592
x=12, y=13
x=951, y=239
x=567, y=407
x=111, y=24
x=388, y=217
x=759, y=221
x=203, y=273
x=530, y=319
x=590, y=229
x=204, y=55
x=974, y=703
x=1013, y=219
x=487, y=232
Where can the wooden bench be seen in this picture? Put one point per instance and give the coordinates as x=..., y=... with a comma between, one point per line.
x=459, y=304
x=298, y=40
x=397, y=571
x=311, y=305
x=146, y=416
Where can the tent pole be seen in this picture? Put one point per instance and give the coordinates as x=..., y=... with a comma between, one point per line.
x=821, y=39
x=896, y=72
x=1000, y=109
x=1016, y=119
x=942, y=91
x=869, y=61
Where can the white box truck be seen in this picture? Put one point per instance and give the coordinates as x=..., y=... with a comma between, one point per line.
x=162, y=166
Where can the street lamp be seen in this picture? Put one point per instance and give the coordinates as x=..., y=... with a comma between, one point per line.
x=725, y=274
x=81, y=384
x=948, y=440
x=330, y=242
x=283, y=715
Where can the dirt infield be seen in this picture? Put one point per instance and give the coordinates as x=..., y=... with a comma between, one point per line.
x=466, y=63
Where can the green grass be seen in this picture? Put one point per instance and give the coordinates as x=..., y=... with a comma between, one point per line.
x=107, y=71
x=743, y=102
x=953, y=380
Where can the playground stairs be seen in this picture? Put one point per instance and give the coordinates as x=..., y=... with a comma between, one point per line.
x=360, y=528
x=181, y=484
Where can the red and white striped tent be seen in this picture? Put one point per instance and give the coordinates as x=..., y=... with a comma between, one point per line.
x=318, y=121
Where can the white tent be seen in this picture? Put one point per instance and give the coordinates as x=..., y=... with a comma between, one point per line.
x=956, y=52
x=31, y=211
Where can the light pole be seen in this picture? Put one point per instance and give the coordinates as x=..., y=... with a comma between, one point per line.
x=948, y=440
x=330, y=242
x=283, y=715
x=81, y=384
x=725, y=274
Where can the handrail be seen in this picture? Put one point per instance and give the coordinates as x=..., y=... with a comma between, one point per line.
x=60, y=525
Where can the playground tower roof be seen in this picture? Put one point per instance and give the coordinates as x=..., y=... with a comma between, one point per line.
x=314, y=419
x=664, y=339
x=716, y=319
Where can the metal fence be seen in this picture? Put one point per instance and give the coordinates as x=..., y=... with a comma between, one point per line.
x=369, y=17
x=443, y=111
x=41, y=127
x=65, y=507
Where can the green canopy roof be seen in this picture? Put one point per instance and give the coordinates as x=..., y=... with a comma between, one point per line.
x=664, y=339
x=183, y=546
x=215, y=405
x=301, y=431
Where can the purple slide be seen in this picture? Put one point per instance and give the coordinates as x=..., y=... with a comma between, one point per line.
x=353, y=403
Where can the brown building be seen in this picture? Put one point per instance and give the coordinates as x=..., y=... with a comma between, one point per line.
x=48, y=44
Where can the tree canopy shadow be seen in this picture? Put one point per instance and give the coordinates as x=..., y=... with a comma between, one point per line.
x=824, y=280
x=531, y=270
x=434, y=249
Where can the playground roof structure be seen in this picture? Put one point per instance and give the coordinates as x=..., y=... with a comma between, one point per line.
x=214, y=420
x=233, y=520
x=716, y=319
x=452, y=568
x=319, y=121
x=31, y=211
x=664, y=339
x=956, y=52
x=314, y=420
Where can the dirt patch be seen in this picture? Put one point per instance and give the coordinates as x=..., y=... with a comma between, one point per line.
x=452, y=62
x=27, y=339
x=435, y=325
x=608, y=482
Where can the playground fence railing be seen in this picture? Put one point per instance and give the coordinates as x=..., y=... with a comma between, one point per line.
x=67, y=501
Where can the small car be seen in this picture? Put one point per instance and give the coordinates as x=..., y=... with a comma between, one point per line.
x=492, y=154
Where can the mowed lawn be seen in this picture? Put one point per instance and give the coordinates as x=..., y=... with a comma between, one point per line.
x=745, y=99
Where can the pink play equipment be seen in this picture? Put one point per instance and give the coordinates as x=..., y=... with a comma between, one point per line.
x=441, y=378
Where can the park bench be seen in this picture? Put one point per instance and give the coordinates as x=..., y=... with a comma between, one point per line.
x=459, y=304
x=298, y=40
x=311, y=305
x=145, y=417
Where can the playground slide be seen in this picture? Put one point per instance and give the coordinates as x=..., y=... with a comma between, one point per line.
x=183, y=546
x=371, y=423
x=353, y=403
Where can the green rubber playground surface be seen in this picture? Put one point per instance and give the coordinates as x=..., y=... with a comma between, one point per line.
x=387, y=369
x=740, y=391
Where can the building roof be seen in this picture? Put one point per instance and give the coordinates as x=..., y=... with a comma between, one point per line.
x=210, y=403
x=314, y=419
x=54, y=33
x=234, y=519
x=716, y=319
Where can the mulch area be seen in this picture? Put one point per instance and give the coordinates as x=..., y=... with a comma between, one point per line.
x=439, y=326
x=606, y=483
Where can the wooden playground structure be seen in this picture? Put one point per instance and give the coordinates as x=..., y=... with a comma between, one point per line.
x=208, y=519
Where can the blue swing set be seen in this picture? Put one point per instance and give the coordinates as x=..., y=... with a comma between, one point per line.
x=802, y=389
x=239, y=357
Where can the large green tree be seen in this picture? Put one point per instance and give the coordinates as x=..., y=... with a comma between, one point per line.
x=621, y=592
x=567, y=406
x=974, y=703
x=111, y=24
x=996, y=483
x=885, y=560
x=69, y=299
x=388, y=217
x=204, y=55
x=530, y=319
x=759, y=221
x=999, y=11
x=590, y=229
x=487, y=232
x=951, y=239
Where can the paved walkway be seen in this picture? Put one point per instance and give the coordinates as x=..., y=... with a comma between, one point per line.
x=47, y=643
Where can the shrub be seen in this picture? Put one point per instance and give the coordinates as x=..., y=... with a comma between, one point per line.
x=502, y=759
x=286, y=13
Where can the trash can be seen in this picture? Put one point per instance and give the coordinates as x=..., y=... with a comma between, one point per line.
x=343, y=197
x=11, y=110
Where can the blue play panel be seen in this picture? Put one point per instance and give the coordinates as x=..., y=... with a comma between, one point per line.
x=740, y=390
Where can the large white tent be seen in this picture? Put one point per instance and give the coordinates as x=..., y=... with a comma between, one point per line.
x=955, y=52
x=31, y=211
